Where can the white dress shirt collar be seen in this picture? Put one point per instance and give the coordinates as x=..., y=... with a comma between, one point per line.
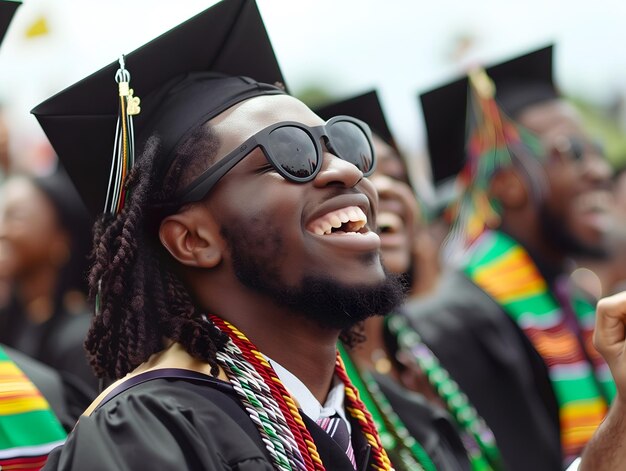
x=307, y=401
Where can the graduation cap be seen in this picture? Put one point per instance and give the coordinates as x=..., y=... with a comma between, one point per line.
x=519, y=83
x=7, y=10
x=365, y=107
x=184, y=78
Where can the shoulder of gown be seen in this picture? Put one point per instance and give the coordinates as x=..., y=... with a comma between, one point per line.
x=63, y=349
x=496, y=366
x=430, y=425
x=165, y=424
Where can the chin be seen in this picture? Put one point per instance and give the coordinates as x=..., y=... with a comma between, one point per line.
x=372, y=275
x=570, y=238
x=395, y=263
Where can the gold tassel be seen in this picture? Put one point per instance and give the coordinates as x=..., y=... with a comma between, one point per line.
x=124, y=145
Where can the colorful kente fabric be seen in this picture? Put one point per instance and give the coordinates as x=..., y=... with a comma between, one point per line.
x=583, y=388
x=29, y=430
x=492, y=139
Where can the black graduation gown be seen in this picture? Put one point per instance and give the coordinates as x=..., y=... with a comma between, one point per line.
x=67, y=400
x=496, y=366
x=430, y=425
x=174, y=423
x=57, y=342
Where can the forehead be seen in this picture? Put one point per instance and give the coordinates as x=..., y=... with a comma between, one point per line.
x=552, y=118
x=19, y=192
x=388, y=162
x=248, y=117
x=18, y=189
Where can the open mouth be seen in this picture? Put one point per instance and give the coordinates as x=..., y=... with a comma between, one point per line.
x=389, y=223
x=348, y=220
x=594, y=201
x=595, y=208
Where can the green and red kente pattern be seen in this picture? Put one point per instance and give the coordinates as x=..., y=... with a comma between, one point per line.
x=29, y=430
x=581, y=381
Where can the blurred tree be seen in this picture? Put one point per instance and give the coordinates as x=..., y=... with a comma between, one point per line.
x=602, y=123
x=316, y=95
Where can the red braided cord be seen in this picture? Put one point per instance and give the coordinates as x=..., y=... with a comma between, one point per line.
x=358, y=410
x=300, y=432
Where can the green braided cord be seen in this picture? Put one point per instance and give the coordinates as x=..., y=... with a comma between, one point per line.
x=262, y=409
x=486, y=456
x=393, y=433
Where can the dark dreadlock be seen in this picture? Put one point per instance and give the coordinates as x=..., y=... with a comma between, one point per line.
x=140, y=298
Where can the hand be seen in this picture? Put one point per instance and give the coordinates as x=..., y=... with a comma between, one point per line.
x=610, y=337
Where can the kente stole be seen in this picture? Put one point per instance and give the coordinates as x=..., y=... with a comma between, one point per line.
x=580, y=379
x=29, y=430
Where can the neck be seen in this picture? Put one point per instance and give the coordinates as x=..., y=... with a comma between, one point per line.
x=372, y=354
x=35, y=293
x=289, y=338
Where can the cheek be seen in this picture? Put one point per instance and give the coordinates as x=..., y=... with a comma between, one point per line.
x=261, y=215
x=25, y=247
x=563, y=188
x=265, y=200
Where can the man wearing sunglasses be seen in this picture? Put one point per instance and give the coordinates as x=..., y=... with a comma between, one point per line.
x=235, y=252
x=506, y=323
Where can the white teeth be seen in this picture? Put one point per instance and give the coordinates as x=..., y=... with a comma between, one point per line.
x=389, y=222
x=335, y=220
x=353, y=217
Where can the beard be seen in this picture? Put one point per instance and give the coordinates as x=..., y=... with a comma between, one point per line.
x=555, y=231
x=331, y=304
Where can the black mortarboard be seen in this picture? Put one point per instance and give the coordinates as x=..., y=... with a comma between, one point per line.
x=7, y=10
x=182, y=67
x=519, y=83
x=365, y=107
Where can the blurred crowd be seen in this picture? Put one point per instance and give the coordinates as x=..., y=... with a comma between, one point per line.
x=488, y=363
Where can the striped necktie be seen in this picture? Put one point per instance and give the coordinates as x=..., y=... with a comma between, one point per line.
x=337, y=428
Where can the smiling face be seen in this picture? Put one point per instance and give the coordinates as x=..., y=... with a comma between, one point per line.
x=576, y=210
x=398, y=210
x=255, y=199
x=289, y=239
x=29, y=230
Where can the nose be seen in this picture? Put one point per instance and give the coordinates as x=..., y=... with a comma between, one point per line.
x=337, y=172
x=382, y=183
x=598, y=169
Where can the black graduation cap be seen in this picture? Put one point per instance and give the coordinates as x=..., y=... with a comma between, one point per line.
x=365, y=107
x=519, y=83
x=228, y=38
x=7, y=10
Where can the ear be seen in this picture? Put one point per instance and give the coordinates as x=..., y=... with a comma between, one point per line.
x=509, y=189
x=193, y=238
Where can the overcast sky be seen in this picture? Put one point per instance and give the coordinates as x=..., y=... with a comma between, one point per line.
x=400, y=47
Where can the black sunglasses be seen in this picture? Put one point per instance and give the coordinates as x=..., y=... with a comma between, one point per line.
x=576, y=148
x=295, y=151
